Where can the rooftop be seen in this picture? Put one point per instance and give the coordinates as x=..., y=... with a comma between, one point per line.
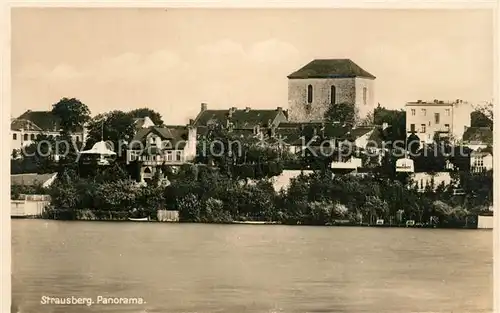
x=36, y=120
x=330, y=68
x=240, y=118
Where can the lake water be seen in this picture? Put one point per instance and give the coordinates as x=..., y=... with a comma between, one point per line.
x=250, y=268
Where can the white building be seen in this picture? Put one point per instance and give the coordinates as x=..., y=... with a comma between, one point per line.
x=481, y=161
x=447, y=119
x=26, y=128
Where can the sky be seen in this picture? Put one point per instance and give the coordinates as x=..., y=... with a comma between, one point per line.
x=171, y=60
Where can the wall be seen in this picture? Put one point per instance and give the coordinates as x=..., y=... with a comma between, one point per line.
x=28, y=208
x=428, y=119
x=21, y=142
x=283, y=180
x=487, y=162
x=365, y=108
x=458, y=118
x=485, y=222
x=168, y=216
x=297, y=96
x=425, y=178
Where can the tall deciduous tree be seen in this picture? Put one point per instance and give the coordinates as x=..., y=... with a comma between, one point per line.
x=479, y=118
x=143, y=112
x=73, y=114
x=341, y=112
x=114, y=126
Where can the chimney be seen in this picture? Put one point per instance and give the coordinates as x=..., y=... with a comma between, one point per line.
x=385, y=125
x=247, y=109
x=279, y=109
x=191, y=122
x=419, y=101
x=204, y=106
x=436, y=101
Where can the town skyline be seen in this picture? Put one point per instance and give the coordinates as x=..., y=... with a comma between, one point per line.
x=171, y=61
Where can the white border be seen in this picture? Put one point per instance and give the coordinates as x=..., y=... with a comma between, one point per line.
x=5, y=275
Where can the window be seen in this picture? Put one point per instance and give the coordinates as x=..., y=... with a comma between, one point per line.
x=14, y=136
x=412, y=111
x=309, y=94
x=178, y=156
x=333, y=95
x=479, y=161
x=25, y=136
x=422, y=128
x=447, y=112
x=412, y=128
x=169, y=155
x=436, y=118
x=447, y=127
x=32, y=136
x=424, y=112
x=364, y=95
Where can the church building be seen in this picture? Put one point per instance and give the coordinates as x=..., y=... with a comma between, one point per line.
x=322, y=82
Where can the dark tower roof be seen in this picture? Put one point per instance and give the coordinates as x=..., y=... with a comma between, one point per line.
x=330, y=68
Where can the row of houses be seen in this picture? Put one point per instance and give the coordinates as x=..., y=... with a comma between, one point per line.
x=311, y=90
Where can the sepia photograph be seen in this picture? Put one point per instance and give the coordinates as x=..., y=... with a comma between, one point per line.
x=241, y=160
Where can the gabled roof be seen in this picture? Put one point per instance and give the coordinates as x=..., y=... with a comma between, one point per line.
x=479, y=135
x=176, y=135
x=44, y=121
x=240, y=118
x=330, y=68
x=30, y=179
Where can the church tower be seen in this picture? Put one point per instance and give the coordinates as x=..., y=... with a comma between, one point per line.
x=322, y=82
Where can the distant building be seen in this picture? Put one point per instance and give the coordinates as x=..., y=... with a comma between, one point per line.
x=31, y=124
x=322, y=82
x=481, y=161
x=155, y=147
x=422, y=180
x=244, y=121
x=446, y=119
x=143, y=122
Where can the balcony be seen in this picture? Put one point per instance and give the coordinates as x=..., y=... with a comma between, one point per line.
x=170, y=157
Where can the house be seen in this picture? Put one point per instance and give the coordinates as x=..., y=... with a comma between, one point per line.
x=322, y=82
x=243, y=121
x=33, y=179
x=154, y=147
x=446, y=119
x=143, y=122
x=32, y=124
x=477, y=138
x=481, y=161
x=422, y=180
x=325, y=137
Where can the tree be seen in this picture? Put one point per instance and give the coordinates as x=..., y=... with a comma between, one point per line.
x=115, y=126
x=486, y=109
x=143, y=112
x=396, y=119
x=72, y=113
x=341, y=112
x=480, y=119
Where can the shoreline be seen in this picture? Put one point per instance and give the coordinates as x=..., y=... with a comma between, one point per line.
x=257, y=223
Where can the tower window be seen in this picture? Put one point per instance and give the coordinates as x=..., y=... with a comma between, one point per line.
x=309, y=94
x=333, y=95
x=364, y=95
